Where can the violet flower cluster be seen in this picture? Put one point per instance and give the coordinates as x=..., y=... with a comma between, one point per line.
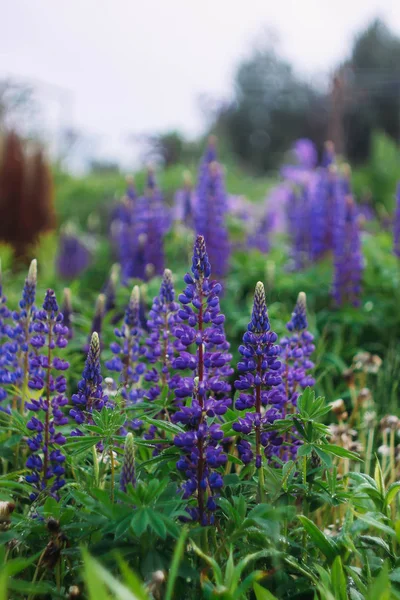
x=211, y=211
x=127, y=352
x=297, y=349
x=16, y=350
x=259, y=383
x=348, y=259
x=47, y=386
x=73, y=256
x=160, y=349
x=90, y=395
x=203, y=395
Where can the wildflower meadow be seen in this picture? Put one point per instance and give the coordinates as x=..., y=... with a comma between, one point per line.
x=199, y=388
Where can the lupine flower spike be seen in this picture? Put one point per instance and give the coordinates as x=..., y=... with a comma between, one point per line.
x=67, y=312
x=258, y=382
x=127, y=351
x=207, y=387
x=46, y=459
x=23, y=329
x=296, y=364
x=90, y=395
x=128, y=467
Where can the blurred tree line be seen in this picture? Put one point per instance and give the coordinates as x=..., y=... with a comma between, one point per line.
x=273, y=106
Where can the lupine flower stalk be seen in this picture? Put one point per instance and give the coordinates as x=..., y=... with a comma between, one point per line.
x=127, y=352
x=156, y=225
x=67, y=312
x=5, y=343
x=348, y=259
x=73, y=257
x=297, y=349
x=46, y=459
x=161, y=323
x=202, y=325
x=22, y=332
x=211, y=210
x=90, y=394
x=258, y=382
x=128, y=466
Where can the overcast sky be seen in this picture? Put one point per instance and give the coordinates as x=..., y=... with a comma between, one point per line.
x=115, y=67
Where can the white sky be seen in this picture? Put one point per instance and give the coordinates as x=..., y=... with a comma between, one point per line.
x=131, y=66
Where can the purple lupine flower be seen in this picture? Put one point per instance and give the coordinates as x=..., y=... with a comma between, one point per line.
x=297, y=349
x=73, y=257
x=207, y=388
x=66, y=311
x=45, y=460
x=305, y=153
x=258, y=382
x=184, y=201
x=159, y=344
x=127, y=352
x=89, y=396
x=328, y=157
x=319, y=216
x=15, y=364
x=260, y=238
x=128, y=466
x=5, y=356
x=396, y=225
x=348, y=259
x=156, y=224
x=211, y=210
x=298, y=215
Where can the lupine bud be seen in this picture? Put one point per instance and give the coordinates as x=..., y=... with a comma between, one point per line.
x=128, y=466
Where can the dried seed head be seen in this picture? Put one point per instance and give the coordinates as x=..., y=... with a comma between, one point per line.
x=338, y=406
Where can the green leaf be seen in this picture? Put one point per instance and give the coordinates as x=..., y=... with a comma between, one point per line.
x=262, y=593
x=287, y=470
x=140, y=521
x=326, y=546
x=341, y=452
x=378, y=476
x=392, y=492
x=338, y=579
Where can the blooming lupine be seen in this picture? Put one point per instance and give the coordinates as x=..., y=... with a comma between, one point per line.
x=348, y=260
x=184, y=201
x=67, y=312
x=73, y=256
x=159, y=344
x=127, y=352
x=5, y=317
x=297, y=349
x=211, y=210
x=202, y=325
x=128, y=466
x=16, y=351
x=258, y=382
x=155, y=221
x=46, y=461
x=89, y=396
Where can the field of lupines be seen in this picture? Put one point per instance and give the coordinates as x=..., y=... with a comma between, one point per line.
x=218, y=416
